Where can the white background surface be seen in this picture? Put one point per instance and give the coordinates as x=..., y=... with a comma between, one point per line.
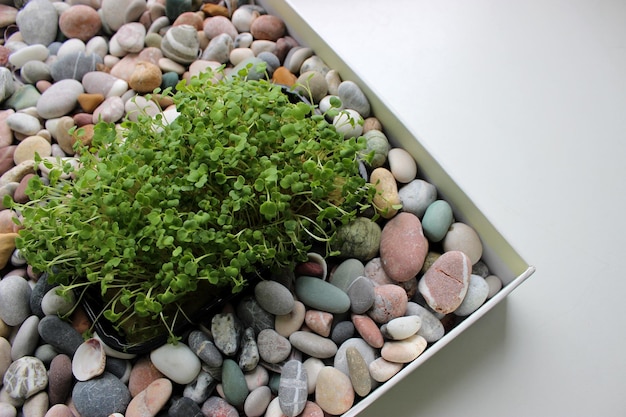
x=524, y=104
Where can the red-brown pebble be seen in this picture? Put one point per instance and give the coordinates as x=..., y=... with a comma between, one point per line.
x=189, y=18
x=369, y=330
x=59, y=410
x=80, y=21
x=6, y=158
x=310, y=269
x=80, y=320
x=403, y=247
x=319, y=321
x=142, y=375
x=20, y=192
x=268, y=27
x=150, y=401
x=390, y=302
x=81, y=119
x=445, y=283
x=60, y=379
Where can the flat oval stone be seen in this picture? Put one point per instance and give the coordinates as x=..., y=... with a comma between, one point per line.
x=402, y=327
x=312, y=366
x=273, y=348
x=151, y=400
x=26, y=339
x=346, y=272
x=14, y=300
x=23, y=123
x=21, y=57
x=495, y=285
x=110, y=110
x=218, y=407
x=382, y=370
x=403, y=247
x=369, y=353
x=101, y=397
x=445, y=283
x=402, y=165
x=35, y=71
x=313, y=344
x=352, y=97
x=60, y=334
x=98, y=82
x=25, y=377
x=368, y=329
x=5, y=356
x=416, y=196
x=274, y=297
x=142, y=374
x=257, y=401
x=177, y=362
x=462, y=237
x=258, y=377
x=59, y=99
x=321, y=295
x=342, y=331
x=333, y=392
x=268, y=27
x=361, y=294
x=387, y=198
x=404, y=351
x=431, y=328
x=476, y=295
x=292, y=389
x=117, y=12
x=234, y=383
x=286, y=324
x=359, y=372
x=131, y=36
x=437, y=220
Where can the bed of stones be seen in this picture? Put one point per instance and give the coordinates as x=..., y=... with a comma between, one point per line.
x=311, y=343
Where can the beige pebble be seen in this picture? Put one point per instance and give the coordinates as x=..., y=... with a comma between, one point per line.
x=18, y=172
x=313, y=366
x=7, y=246
x=145, y=78
x=382, y=370
x=333, y=392
x=286, y=324
x=402, y=165
x=29, y=147
x=387, y=199
x=403, y=351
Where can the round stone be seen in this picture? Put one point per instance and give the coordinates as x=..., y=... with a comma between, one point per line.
x=142, y=374
x=333, y=392
x=26, y=339
x=495, y=285
x=234, y=383
x=402, y=327
x=313, y=84
x=445, y=283
x=362, y=295
x=145, y=78
x=60, y=334
x=416, y=196
x=204, y=348
x=273, y=348
x=368, y=329
x=110, y=110
x=257, y=401
x=74, y=66
x=38, y=22
x=274, y=297
x=31, y=146
x=382, y=370
x=181, y=44
x=23, y=123
x=462, y=237
x=377, y=143
x=268, y=27
x=286, y=324
x=34, y=71
x=80, y=21
x=358, y=371
x=130, y=37
x=226, y=329
x=101, y=397
x=151, y=400
x=387, y=200
x=431, y=328
x=60, y=379
x=390, y=302
x=359, y=239
x=352, y=97
x=25, y=377
x=321, y=295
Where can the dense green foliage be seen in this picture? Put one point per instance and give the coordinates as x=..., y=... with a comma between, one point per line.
x=243, y=179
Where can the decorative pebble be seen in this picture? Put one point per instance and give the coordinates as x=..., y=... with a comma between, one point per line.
x=21, y=57
x=402, y=165
x=387, y=200
x=23, y=123
x=204, y=348
x=80, y=21
x=358, y=371
x=352, y=97
x=200, y=388
x=403, y=247
x=176, y=362
x=404, y=351
x=382, y=370
x=142, y=374
x=26, y=339
x=59, y=99
x=313, y=344
x=445, y=283
x=25, y=377
x=348, y=122
x=495, y=285
x=292, y=391
x=431, y=328
x=181, y=44
x=390, y=302
x=101, y=397
x=359, y=239
x=286, y=324
x=151, y=400
x=234, y=383
x=14, y=299
x=416, y=196
x=184, y=407
x=257, y=401
x=274, y=297
x=321, y=295
x=462, y=237
x=437, y=220
x=334, y=393
x=57, y=303
x=361, y=294
x=477, y=293
x=5, y=356
x=226, y=329
x=73, y=66
x=60, y=334
x=110, y=110
x=368, y=330
x=273, y=348
x=402, y=327
x=218, y=407
x=60, y=379
x=37, y=22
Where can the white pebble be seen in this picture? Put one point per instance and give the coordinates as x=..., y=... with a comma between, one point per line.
x=402, y=165
x=495, y=285
x=177, y=362
x=55, y=303
x=402, y=327
x=349, y=122
x=477, y=292
x=21, y=56
x=71, y=46
x=382, y=370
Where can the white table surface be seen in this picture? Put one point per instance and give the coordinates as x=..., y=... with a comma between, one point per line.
x=524, y=103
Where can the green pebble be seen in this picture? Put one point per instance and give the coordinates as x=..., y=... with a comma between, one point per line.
x=234, y=383
x=153, y=40
x=359, y=239
x=170, y=79
x=437, y=220
x=24, y=97
x=321, y=295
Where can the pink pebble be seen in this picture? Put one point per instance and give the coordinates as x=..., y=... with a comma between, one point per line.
x=445, y=283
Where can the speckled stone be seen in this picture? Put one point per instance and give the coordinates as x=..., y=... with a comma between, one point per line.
x=226, y=329
x=274, y=297
x=14, y=299
x=273, y=347
x=358, y=371
x=334, y=393
x=390, y=302
x=416, y=196
x=101, y=397
x=292, y=391
x=403, y=247
x=445, y=283
x=25, y=377
x=234, y=383
x=313, y=344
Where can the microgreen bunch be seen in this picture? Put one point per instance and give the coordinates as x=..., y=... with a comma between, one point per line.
x=159, y=212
